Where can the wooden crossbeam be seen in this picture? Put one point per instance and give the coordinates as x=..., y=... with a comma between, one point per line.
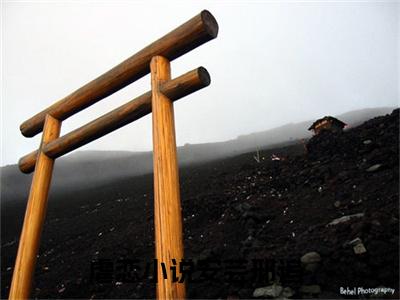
x=121, y=116
x=195, y=32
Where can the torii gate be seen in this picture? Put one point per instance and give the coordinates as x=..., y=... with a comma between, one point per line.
x=154, y=59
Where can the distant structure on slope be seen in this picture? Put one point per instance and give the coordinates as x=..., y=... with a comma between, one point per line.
x=327, y=123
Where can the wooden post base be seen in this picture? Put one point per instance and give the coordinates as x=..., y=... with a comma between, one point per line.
x=34, y=216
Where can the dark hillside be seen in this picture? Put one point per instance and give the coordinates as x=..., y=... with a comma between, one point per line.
x=332, y=214
x=82, y=170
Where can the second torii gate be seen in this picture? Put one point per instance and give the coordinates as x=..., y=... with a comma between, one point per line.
x=154, y=59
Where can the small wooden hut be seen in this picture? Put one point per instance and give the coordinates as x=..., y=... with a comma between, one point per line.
x=327, y=123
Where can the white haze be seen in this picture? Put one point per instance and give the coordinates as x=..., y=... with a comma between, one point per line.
x=272, y=63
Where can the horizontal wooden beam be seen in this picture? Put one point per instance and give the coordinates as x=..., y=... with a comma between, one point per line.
x=125, y=114
x=183, y=39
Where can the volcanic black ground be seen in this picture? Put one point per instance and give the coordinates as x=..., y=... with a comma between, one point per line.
x=235, y=209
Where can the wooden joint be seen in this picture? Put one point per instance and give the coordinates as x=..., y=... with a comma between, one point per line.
x=135, y=109
x=195, y=32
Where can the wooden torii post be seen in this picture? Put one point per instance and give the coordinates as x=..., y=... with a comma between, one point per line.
x=154, y=59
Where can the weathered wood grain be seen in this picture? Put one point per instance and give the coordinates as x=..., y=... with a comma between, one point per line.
x=195, y=32
x=125, y=114
x=167, y=204
x=34, y=216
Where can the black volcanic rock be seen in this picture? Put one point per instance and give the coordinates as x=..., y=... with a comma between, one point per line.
x=238, y=208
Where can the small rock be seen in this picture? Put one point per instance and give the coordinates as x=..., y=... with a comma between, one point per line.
x=358, y=246
x=310, y=257
x=366, y=142
x=355, y=242
x=337, y=204
x=359, y=249
x=374, y=168
x=270, y=291
x=287, y=292
x=345, y=219
x=9, y=243
x=310, y=261
x=310, y=289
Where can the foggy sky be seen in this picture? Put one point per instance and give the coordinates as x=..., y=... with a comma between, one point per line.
x=272, y=63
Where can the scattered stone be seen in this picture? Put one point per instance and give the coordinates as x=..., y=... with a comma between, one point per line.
x=311, y=261
x=270, y=291
x=374, y=168
x=310, y=289
x=354, y=242
x=9, y=243
x=337, y=265
x=287, y=292
x=359, y=249
x=345, y=219
x=311, y=257
x=357, y=245
x=367, y=142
